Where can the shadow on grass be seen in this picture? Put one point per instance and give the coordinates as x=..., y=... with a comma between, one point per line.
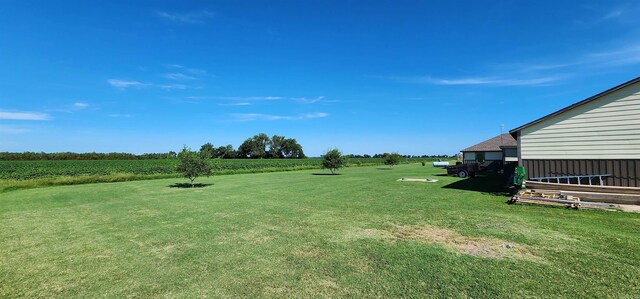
x=187, y=185
x=443, y=174
x=489, y=183
x=324, y=173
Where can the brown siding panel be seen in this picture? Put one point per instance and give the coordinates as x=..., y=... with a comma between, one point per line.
x=624, y=172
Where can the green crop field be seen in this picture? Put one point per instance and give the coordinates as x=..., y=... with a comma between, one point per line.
x=307, y=234
x=30, y=174
x=23, y=170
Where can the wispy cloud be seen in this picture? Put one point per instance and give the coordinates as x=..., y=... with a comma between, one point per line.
x=171, y=86
x=616, y=13
x=537, y=74
x=24, y=115
x=252, y=99
x=120, y=115
x=80, y=105
x=235, y=104
x=304, y=100
x=244, y=117
x=494, y=81
x=178, y=73
x=178, y=76
x=123, y=84
x=622, y=56
x=193, y=17
x=10, y=130
x=182, y=68
x=487, y=81
x=118, y=83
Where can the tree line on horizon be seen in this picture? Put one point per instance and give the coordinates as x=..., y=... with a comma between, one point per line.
x=259, y=146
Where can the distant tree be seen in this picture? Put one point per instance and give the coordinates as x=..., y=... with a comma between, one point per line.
x=207, y=150
x=292, y=149
x=244, y=150
x=225, y=152
x=277, y=146
x=254, y=147
x=333, y=160
x=391, y=159
x=193, y=165
x=260, y=144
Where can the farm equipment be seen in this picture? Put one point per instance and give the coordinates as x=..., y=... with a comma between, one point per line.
x=463, y=170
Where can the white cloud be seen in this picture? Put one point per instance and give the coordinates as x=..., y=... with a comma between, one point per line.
x=236, y=104
x=301, y=100
x=7, y=130
x=194, y=17
x=178, y=76
x=252, y=99
x=172, y=86
x=539, y=74
x=487, y=81
x=495, y=81
x=24, y=115
x=622, y=56
x=309, y=100
x=182, y=68
x=80, y=105
x=122, y=84
x=242, y=117
x=612, y=15
x=125, y=84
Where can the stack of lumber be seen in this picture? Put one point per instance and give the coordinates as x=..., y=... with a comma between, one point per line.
x=580, y=196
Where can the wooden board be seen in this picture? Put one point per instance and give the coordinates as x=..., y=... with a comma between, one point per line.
x=529, y=200
x=630, y=199
x=582, y=188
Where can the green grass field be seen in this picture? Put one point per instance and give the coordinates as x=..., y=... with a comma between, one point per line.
x=297, y=234
x=15, y=175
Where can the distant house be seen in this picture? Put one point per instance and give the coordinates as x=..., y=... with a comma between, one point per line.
x=597, y=136
x=492, y=153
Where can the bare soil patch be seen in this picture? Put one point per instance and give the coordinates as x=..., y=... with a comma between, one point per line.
x=477, y=246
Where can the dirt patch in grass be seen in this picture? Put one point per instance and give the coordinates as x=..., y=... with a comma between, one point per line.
x=477, y=246
x=275, y=290
x=328, y=283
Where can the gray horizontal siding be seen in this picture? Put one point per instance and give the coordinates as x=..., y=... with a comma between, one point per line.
x=607, y=128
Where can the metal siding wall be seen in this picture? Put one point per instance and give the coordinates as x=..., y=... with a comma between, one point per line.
x=606, y=129
x=624, y=173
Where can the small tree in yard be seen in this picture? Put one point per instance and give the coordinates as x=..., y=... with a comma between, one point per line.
x=333, y=160
x=193, y=165
x=392, y=159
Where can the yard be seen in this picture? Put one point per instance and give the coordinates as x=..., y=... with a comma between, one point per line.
x=302, y=234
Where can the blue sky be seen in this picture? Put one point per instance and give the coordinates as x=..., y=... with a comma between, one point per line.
x=423, y=77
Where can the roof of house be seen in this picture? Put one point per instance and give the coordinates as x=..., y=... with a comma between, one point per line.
x=587, y=100
x=493, y=144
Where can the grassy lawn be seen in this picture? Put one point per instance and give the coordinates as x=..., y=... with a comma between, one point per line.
x=296, y=234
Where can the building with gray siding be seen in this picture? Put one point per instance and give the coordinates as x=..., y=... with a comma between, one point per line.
x=598, y=135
